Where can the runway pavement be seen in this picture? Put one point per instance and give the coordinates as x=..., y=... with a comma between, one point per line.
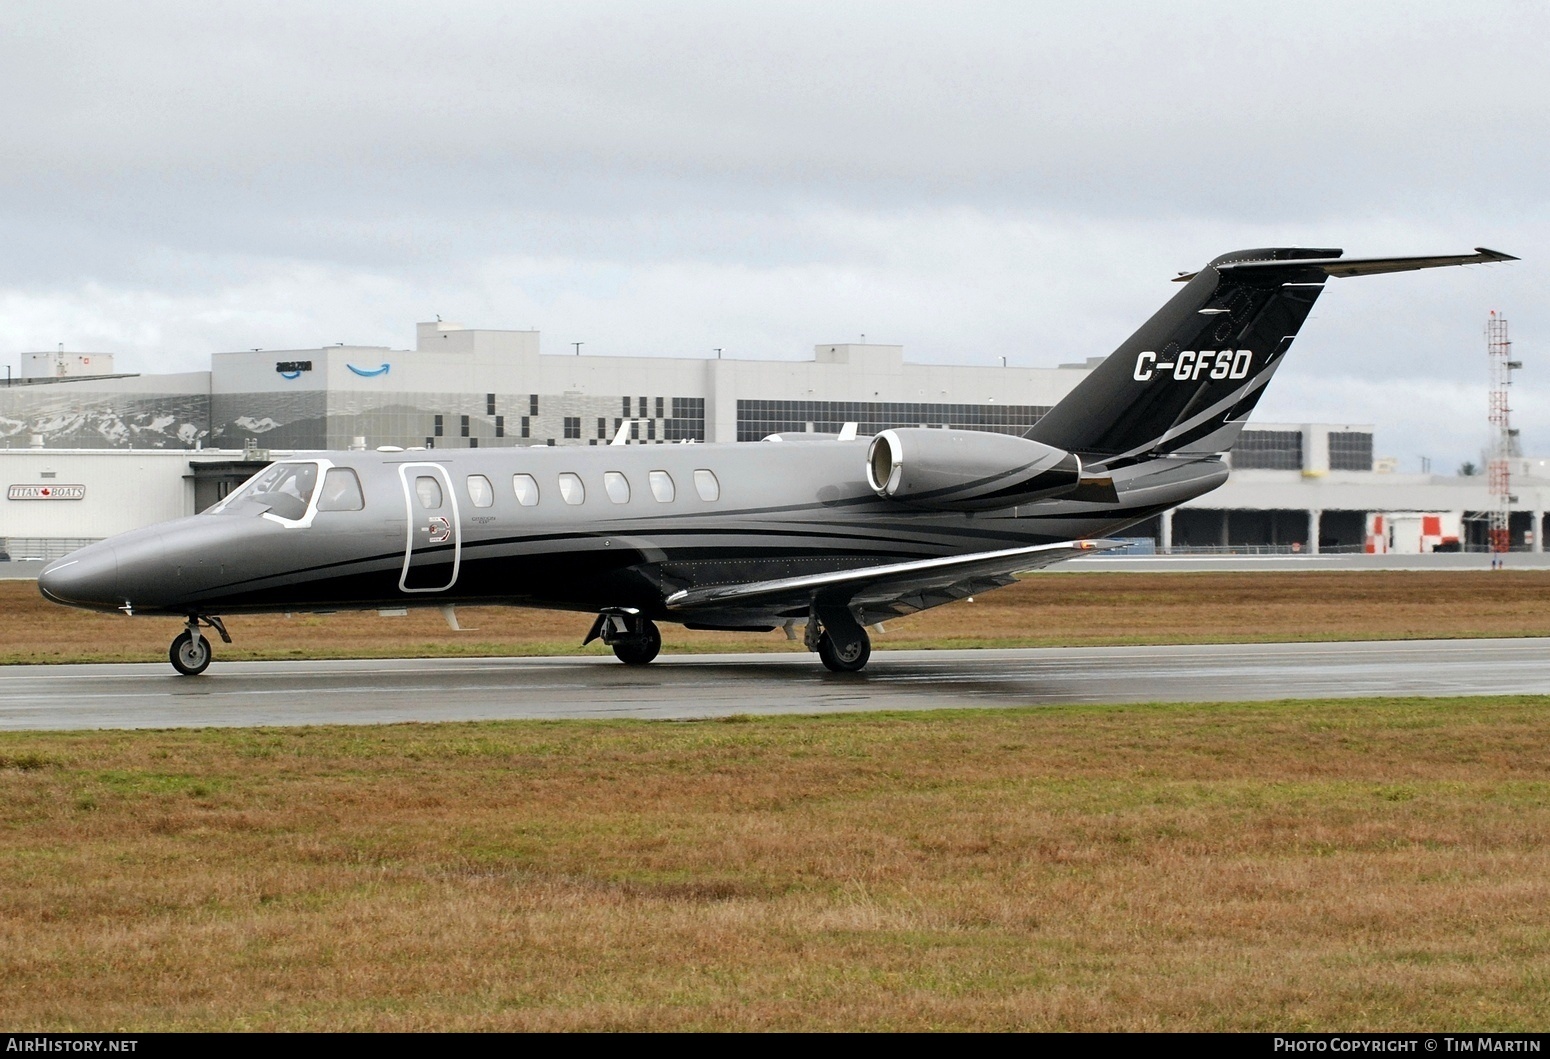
x=405, y=690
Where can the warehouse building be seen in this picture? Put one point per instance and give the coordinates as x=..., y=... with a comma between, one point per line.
x=89, y=452
x=465, y=387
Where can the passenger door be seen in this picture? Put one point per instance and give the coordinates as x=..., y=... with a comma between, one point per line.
x=433, y=550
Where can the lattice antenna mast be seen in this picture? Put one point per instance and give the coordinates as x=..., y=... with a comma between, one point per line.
x=1503, y=437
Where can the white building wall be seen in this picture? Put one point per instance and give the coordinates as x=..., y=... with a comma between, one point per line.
x=65, y=365
x=1356, y=491
x=123, y=489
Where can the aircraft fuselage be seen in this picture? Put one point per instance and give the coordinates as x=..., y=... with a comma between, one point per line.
x=568, y=528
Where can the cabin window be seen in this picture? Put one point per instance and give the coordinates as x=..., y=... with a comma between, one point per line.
x=428, y=490
x=571, y=489
x=618, y=487
x=706, y=485
x=480, y=491
x=662, y=486
x=526, y=488
x=341, y=491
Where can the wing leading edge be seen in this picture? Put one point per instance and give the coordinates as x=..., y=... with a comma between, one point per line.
x=876, y=592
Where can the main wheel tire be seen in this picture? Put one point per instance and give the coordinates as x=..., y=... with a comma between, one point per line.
x=190, y=656
x=641, y=647
x=847, y=657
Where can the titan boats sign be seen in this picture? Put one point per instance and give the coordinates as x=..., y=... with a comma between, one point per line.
x=46, y=492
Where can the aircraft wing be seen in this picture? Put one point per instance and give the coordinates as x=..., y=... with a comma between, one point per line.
x=1361, y=266
x=883, y=591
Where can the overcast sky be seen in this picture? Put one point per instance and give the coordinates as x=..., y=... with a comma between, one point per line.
x=970, y=180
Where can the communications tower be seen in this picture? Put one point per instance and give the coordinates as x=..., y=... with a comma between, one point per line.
x=1504, y=439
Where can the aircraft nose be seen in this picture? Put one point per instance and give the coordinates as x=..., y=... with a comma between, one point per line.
x=84, y=578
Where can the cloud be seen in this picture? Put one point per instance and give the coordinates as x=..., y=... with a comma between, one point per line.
x=974, y=181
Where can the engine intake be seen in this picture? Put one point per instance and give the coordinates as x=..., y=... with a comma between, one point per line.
x=967, y=470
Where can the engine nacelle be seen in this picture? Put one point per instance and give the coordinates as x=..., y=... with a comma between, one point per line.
x=967, y=470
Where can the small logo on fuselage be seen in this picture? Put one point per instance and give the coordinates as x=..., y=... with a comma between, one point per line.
x=1192, y=364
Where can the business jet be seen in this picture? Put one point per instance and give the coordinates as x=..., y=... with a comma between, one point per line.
x=830, y=534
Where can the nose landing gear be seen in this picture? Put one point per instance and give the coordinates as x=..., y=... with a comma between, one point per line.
x=190, y=652
x=634, y=638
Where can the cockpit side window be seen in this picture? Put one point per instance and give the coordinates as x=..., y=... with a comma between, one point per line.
x=284, y=489
x=341, y=491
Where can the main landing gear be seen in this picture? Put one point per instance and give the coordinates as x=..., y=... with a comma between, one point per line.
x=190, y=652
x=634, y=638
x=843, y=646
x=839, y=640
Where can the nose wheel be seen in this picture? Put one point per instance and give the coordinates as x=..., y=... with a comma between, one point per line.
x=190, y=652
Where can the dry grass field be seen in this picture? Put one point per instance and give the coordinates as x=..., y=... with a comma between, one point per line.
x=1049, y=609
x=1378, y=864
x=1316, y=865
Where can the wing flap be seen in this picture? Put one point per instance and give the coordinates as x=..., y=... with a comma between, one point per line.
x=930, y=581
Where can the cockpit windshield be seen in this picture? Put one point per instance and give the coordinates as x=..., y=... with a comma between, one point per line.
x=283, y=489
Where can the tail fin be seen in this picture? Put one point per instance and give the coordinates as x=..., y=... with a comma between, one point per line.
x=1186, y=381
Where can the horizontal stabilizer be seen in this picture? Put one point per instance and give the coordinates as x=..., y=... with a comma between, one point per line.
x=1360, y=266
x=880, y=583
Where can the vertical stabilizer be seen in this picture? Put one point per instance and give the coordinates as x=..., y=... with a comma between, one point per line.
x=1187, y=379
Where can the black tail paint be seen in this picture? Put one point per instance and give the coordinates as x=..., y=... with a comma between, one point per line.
x=1188, y=378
